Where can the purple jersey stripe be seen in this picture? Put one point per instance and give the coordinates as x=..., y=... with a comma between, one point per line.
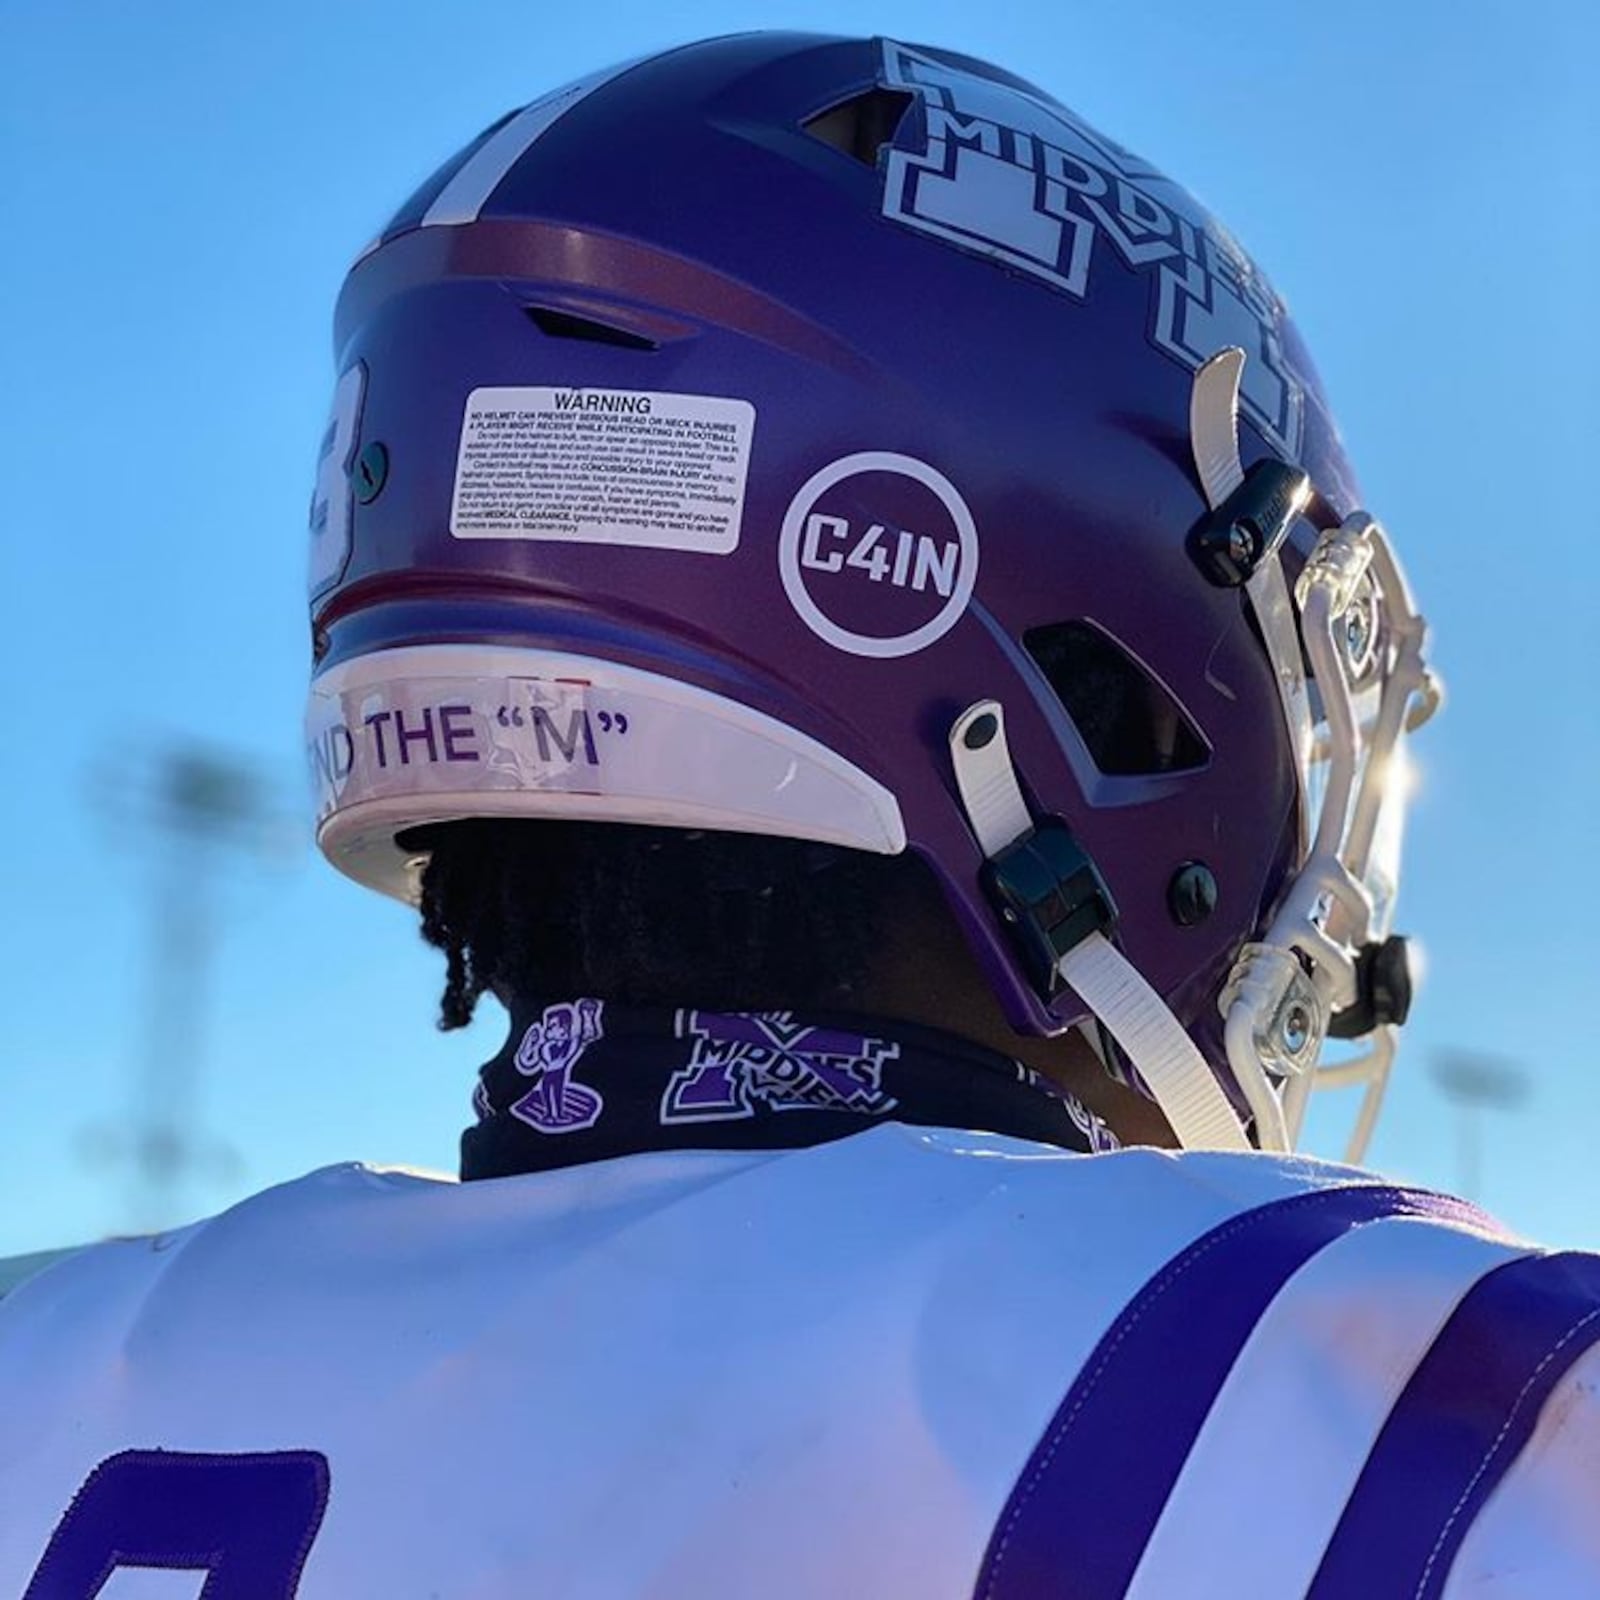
x=1458, y=1426
x=1084, y=1508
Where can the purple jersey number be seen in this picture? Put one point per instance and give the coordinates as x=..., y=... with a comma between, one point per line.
x=246, y=1520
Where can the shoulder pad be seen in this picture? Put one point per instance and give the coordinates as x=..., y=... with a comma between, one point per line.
x=16, y=1270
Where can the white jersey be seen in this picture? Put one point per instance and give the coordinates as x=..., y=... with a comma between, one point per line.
x=910, y=1362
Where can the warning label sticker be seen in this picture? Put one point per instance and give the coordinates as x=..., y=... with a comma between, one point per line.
x=603, y=466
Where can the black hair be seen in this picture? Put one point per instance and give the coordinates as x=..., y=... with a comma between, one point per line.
x=653, y=916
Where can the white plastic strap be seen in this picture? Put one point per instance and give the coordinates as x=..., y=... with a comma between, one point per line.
x=1105, y=980
x=1214, y=437
x=1154, y=1040
x=1214, y=424
x=987, y=780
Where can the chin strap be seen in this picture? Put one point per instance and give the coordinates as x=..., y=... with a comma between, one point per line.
x=1052, y=897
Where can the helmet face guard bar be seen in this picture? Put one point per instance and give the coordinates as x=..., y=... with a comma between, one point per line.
x=1353, y=618
x=1325, y=966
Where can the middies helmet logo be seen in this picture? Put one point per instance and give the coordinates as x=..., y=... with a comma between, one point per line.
x=1018, y=178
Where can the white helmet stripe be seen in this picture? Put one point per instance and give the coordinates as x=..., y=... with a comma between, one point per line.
x=463, y=197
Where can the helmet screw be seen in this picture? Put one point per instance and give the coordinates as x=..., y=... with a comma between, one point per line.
x=1241, y=544
x=371, y=472
x=1296, y=1029
x=981, y=731
x=1192, y=894
x=1356, y=633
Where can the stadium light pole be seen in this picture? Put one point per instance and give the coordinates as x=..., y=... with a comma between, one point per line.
x=203, y=811
x=1476, y=1083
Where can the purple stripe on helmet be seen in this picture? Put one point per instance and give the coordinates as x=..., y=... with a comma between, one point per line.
x=1460, y=1424
x=1121, y=1436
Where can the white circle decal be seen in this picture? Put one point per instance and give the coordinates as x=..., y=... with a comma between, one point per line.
x=904, y=553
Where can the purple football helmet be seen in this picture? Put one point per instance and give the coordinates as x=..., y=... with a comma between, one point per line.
x=839, y=439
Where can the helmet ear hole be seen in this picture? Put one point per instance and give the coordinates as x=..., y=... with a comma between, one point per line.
x=860, y=127
x=1130, y=723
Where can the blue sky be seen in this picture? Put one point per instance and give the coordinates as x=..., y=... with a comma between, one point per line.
x=185, y=186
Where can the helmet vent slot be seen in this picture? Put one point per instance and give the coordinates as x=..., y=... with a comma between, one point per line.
x=1130, y=724
x=862, y=126
x=567, y=325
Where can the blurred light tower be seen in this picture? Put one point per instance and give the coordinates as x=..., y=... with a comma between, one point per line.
x=1476, y=1083
x=200, y=812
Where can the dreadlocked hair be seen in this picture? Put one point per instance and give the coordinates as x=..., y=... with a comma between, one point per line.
x=649, y=916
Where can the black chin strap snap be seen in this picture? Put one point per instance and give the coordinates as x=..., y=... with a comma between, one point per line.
x=1050, y=895
x=1383, y=990
x=1251, y=524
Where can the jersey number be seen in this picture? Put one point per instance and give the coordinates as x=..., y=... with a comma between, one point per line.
x=248, y=1521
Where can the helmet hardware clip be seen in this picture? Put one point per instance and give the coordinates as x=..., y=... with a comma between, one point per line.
x=1251, y=524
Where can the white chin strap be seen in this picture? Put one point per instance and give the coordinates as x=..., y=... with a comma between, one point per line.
x=1108, y=983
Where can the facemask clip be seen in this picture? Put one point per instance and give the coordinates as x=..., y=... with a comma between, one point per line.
x=1251, y=524
x=1383, y=990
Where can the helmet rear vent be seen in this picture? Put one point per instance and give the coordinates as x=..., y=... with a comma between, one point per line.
x=862, y=126
x=567, y=325
x=1130, y=724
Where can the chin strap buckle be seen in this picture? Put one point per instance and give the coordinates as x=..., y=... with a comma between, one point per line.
x=1050, y=895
